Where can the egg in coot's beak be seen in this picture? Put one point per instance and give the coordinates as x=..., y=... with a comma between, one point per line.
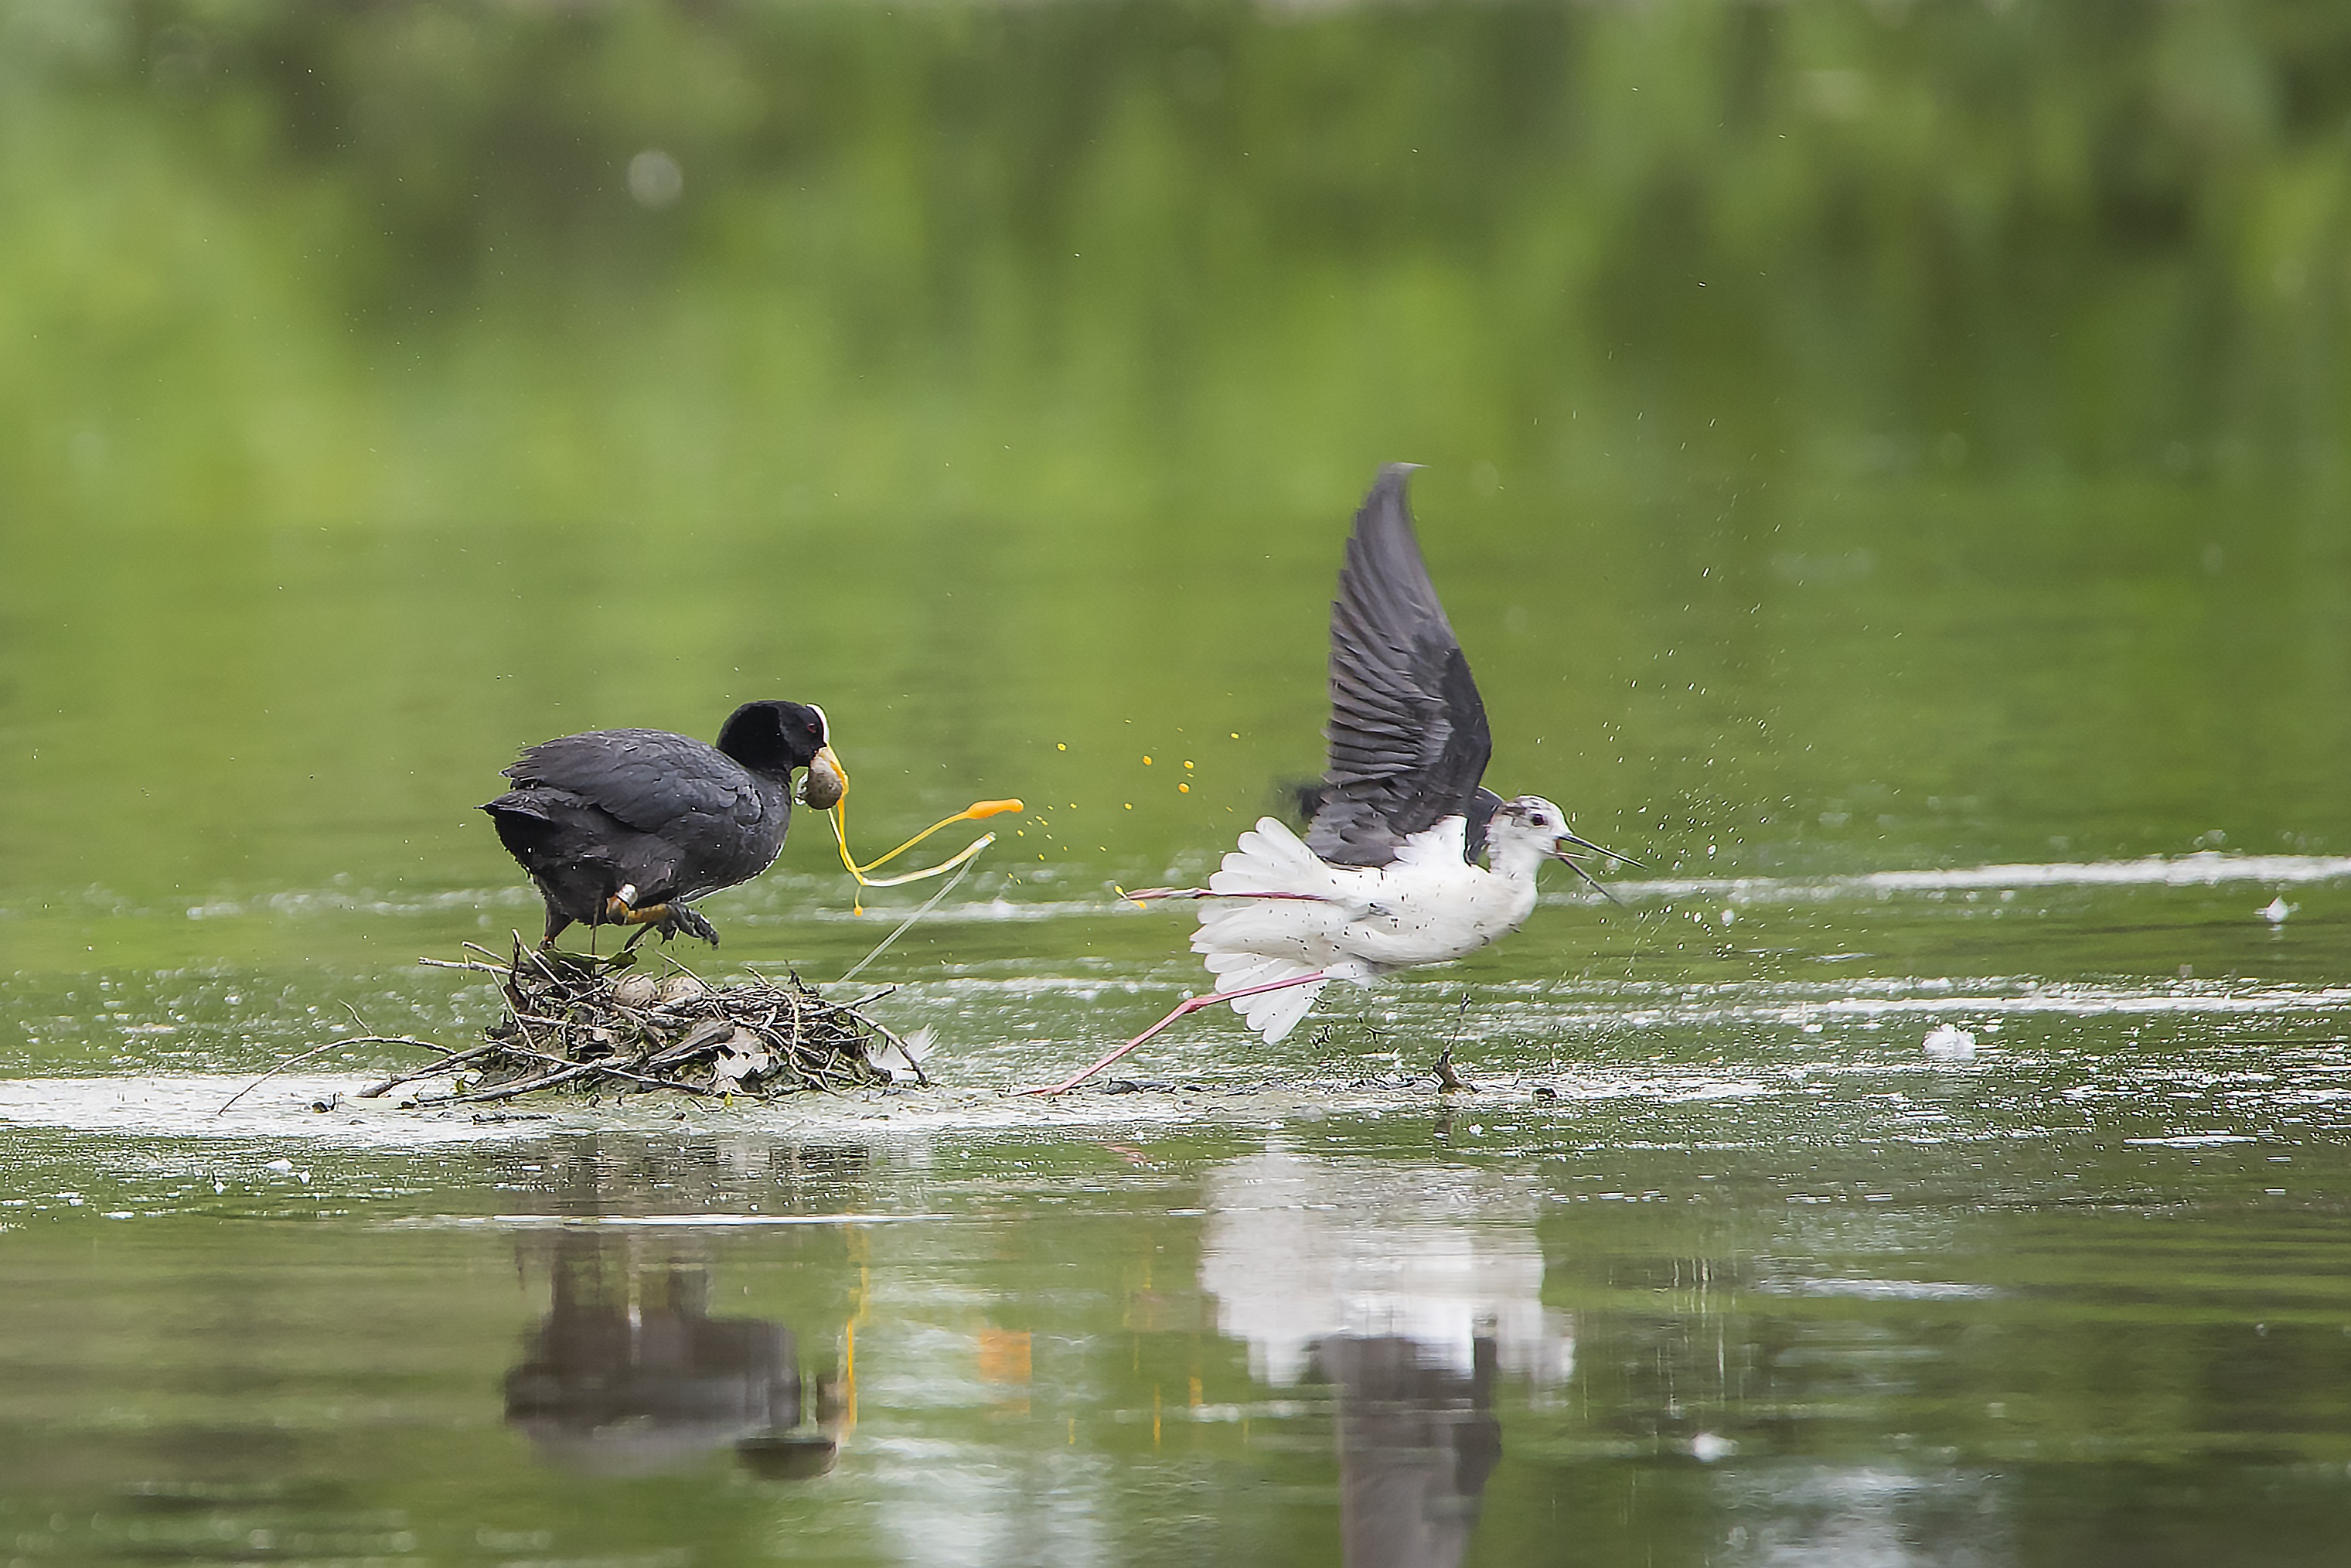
x=825, y=782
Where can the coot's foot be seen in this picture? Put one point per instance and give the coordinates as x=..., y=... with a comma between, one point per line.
x=677, y=919
x=666, y=920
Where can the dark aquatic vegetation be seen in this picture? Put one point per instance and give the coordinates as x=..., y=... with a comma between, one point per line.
x=625, y=827
x=1386, y=877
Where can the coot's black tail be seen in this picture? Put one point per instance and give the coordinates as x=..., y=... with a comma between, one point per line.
x=525, y=824
x=528, y=831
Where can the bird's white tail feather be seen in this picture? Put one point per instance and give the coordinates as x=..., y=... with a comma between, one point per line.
x=1254, y=942
x=1273, y=1014
x=1278, y=929
x=1271, y=859
x=1299, y=928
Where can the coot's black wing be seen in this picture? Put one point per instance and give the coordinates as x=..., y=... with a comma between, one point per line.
x=649, y=778
x=1408, y=732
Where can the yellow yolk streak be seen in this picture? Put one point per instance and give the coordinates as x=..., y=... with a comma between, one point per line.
x=977, y=812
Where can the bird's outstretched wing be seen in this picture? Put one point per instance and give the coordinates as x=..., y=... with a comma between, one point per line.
x=649, y=778
x=1408, y=732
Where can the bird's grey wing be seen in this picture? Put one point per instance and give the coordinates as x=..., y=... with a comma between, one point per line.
x=649, y=778
x=1483, y=804
x=1408, y=735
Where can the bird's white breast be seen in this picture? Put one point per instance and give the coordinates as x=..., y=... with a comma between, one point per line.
x=1422, y=909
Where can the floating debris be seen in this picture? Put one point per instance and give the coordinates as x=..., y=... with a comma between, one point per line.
x=597, y=1024
x=2276, y=910
x=902, y=1058
x=1449, y=1082
x=1949, y=1042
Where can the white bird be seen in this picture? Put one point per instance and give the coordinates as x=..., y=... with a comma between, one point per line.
x=1386, y=877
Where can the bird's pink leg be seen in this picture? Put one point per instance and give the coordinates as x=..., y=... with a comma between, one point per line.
x=1188, y=1004
x=1148, y=895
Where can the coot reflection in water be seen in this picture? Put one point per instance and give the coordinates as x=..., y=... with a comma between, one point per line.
x=629, y=1374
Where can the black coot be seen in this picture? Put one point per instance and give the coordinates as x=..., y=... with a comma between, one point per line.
x=625, y=827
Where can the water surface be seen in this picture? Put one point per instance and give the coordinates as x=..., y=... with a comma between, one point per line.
x=1884, y=465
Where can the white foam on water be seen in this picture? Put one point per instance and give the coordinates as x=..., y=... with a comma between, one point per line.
x=648, y=1221
x=1796, y=1006
x=2192, y=1141
x=2206, y=867
x=189, y=1105
x=1877, y=1289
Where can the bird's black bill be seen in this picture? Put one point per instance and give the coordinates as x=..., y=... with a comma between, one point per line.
x=1566, y=857
x=1595, y=849
x=1571, y=863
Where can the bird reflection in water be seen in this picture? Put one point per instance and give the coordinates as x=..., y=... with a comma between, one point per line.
x=1383, y=1289
x=1416, y=1440
x=628, y=1374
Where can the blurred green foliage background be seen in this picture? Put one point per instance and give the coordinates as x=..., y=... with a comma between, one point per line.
x=382, y=261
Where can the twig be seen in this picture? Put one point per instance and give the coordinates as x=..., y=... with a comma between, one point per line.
x=680, y=966
x=509, y=1090
x=594, y=1066
x=319, y=1050
x=708, y=1034
x=537, y=961
x=450, y=1058
x=904, y=1050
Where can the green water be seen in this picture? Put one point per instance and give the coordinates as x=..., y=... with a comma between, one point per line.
x=1885, y=464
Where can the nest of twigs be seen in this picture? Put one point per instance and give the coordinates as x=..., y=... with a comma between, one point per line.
x=601, y=1024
